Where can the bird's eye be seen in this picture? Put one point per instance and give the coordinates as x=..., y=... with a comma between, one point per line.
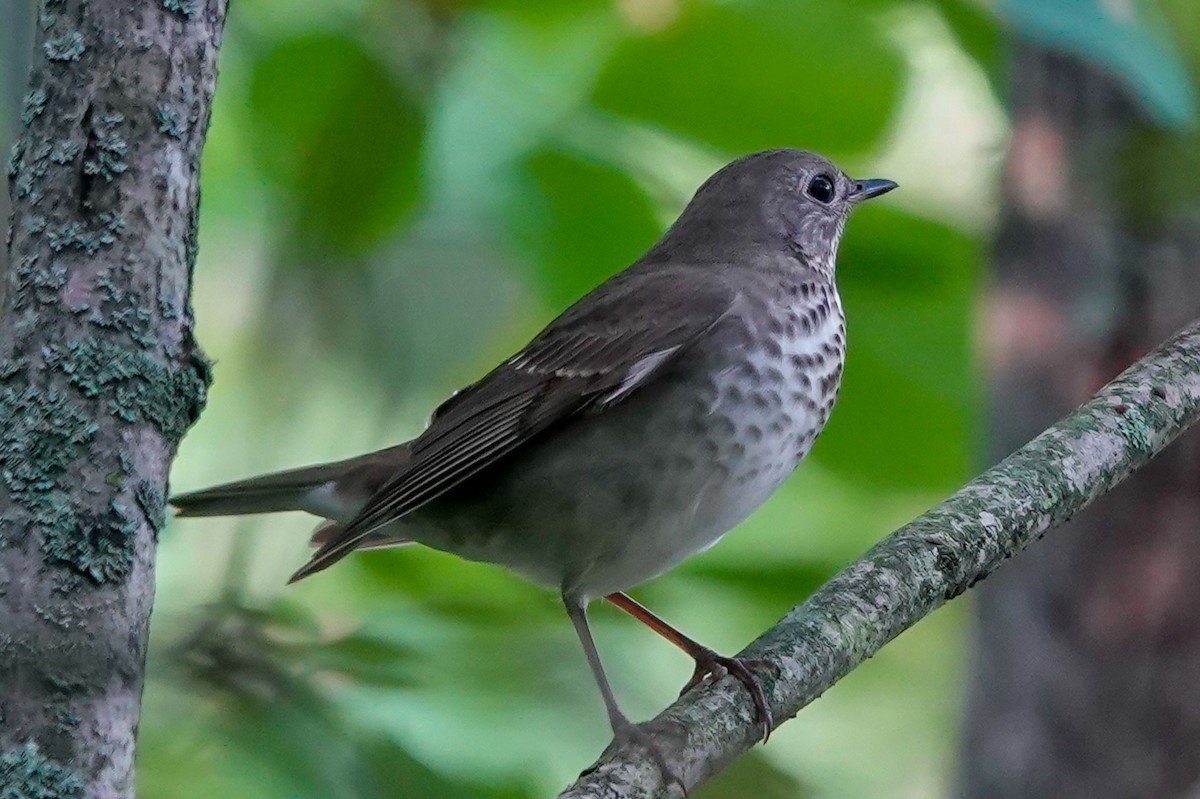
x=820, y=188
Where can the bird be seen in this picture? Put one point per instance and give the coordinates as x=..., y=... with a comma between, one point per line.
x=635, y=430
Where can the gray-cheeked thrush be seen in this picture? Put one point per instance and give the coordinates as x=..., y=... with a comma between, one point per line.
x=643, y=423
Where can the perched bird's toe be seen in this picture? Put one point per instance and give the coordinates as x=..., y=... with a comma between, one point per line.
x=710, y=665
x=636, y=736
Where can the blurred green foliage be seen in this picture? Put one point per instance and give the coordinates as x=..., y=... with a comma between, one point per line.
x=301, y=147
x=399, y=193
x=743, y=77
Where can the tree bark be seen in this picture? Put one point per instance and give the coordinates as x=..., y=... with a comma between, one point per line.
x=1084, y=674
x=99, y=374
x=929, y=561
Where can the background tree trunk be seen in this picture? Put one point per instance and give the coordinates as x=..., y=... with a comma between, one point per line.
x=15, y=31
x=1084, y=673
x=99, y=374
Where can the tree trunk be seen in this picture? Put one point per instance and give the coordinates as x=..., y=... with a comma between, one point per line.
x=99, y=374
x=1085, y=679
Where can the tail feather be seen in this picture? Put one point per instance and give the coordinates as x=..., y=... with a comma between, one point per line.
x=329, y=529
x=311, y=488
x=335, y=491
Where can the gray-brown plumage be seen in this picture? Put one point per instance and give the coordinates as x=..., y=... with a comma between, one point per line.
x=642, y=424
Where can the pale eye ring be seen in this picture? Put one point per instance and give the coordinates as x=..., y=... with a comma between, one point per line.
x=820, y=188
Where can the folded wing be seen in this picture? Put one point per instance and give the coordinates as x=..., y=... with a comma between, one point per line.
x=595, y=354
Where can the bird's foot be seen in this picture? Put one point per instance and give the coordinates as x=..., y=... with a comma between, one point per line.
x=710, y=664
x=626, y=733
x=632, y=734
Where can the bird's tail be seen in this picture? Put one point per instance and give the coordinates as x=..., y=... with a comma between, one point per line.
x=310, y=488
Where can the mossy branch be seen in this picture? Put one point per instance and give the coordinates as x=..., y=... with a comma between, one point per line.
x=917, y=568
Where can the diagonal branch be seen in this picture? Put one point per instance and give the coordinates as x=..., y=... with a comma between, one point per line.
x=917, y=568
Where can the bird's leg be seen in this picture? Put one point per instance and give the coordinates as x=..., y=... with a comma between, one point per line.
x=578, y=613
x=624, y=731
x=708, y=662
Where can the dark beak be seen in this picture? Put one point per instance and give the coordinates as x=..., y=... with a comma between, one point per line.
x=866, y=189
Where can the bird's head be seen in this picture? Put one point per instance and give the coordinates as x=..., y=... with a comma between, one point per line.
x=792, y=202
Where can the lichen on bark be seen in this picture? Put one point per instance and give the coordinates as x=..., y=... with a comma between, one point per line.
x=27, y=774
x=99, y=374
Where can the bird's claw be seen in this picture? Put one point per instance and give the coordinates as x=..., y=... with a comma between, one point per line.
x=711, y=665
x=628, y=733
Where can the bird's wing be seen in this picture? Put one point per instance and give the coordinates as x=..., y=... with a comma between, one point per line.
x=592, y=356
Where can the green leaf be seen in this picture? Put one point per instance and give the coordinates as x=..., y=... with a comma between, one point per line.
x=753, y=775
x=769, y=584
x=535, y=11
x=767, y=74
x=904, y=417
x=1180, y=17
x=339, y=136
x=389, y=770
x=582, y=221
x=516, y=79
x=1124, y=37
x=1162, y=170
x=978, y=33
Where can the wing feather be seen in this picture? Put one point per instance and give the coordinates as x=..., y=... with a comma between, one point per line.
x=599, y=351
